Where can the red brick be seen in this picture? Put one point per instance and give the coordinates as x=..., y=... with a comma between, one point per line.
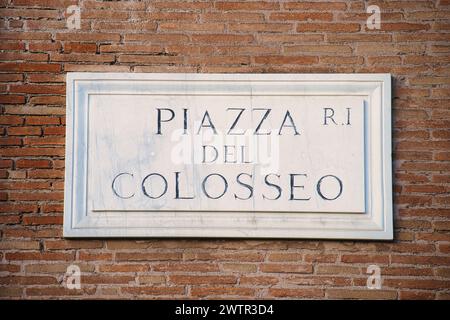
x=182, y=5
x=361, y=294
x=5, y=163
x=26, y=35
x=12, y=45
x=9, y=219
x=324, y=5
x=186, y=267
x=52, y=207
x=154, y=256
x=27, y=280
x=126, y=25
x=425, y=189
x=370, y=259
x=416, y=295
x=19, y=245
x=14, y=152
x=222, y=292
x=154, y=290
x=222, y=38
x=42, y=120
x=402, y=26
x=17, y=207
x=47, y=256
x=44, y=141
x=87, y=37
x=12, y=56
x=54, y=131
x=11, y=268
x=72, y=244
x=59, y=290
x=420, y=260
x=148, y=59
x=47, y=100
x=301, y=16
x=37, y=67
x=132, y=48
x=224, y=256
x=26, y=232
x=286, y=268
x=37, y=50
x=81, y=57
x=20, y=185
x=260, y=27
x=416, y=283
x=46, y=174
x=166, y=16
x=258, y=280
x=33, y=163
x=11, y=77
x=12, y=99
x=285, y=257
x=24, y=131
x=88, y=256
x=232, y=16
x=119, y=268
x=108, y=279
x=10, y=120
x=10, y=141
x=328, y=27
x=53, y=89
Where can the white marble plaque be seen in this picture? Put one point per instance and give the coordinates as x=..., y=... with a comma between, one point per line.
x=209, y=155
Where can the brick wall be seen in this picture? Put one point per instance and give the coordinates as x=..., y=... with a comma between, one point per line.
x=36, y=49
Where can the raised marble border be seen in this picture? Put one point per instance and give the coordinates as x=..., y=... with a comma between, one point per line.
x=375, y=223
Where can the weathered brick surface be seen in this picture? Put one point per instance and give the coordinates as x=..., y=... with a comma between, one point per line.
x=36, y=49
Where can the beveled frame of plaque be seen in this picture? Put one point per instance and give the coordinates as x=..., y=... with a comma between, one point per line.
x=376, y=222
